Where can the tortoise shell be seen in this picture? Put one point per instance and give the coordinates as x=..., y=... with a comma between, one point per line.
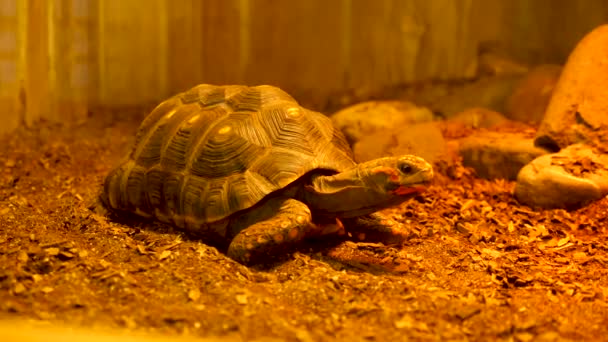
x=212, y=151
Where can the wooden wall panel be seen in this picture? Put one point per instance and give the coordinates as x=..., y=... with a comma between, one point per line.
x=58, y=58
x=296, y=44
x=208, y=42
x=72, y=58
x=223, y=42
x=185, y=44
x=385, y=41
x=539, y=31
x=448, y=50
x=132, y=55
x=396, y=42
x=36, y=83
x=570, y=21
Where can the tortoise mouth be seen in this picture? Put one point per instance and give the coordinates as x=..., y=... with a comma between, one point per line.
x=397, y=196
x=405, y=190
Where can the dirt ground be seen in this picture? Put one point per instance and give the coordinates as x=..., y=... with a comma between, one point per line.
x=478, y=266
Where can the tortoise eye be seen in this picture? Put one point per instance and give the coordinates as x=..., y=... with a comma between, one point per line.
x=405, y=168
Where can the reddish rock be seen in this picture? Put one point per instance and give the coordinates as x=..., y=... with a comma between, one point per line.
x=579, y=104
x=530, y=98
x=571, y=178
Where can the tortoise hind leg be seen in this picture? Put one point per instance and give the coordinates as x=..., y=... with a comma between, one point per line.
x=274, y=227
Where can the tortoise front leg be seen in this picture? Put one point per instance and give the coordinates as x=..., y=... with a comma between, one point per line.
x=376, y=227
x=284, y=222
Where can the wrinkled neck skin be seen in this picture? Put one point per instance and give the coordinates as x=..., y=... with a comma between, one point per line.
x=351, y=193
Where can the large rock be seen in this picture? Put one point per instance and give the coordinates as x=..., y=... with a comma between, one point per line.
x=478, y=117
x=568, y=179
x=579, y=104
x=495, y=60
x=423, y=139
x=486, y=92
x=366, y=118
x=530, y=98
x=498, y=154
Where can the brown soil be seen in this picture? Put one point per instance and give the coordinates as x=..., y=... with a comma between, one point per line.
x=478, y=266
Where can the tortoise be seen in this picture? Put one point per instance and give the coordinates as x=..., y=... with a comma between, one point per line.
x=251, y=171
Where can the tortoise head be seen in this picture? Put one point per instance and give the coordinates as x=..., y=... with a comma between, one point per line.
x=370, y=186
x=396, y=176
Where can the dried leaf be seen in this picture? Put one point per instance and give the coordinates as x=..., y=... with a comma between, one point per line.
x=19, y=288
x=510, y=227
x=194, y=294
x=491, y=252
x=52, y=251
x=22, y=256
x=579, y=256
x=47, y=289
x=141, y=249
x=241, y=299
x=164, y=255
x=65, y=255
x=563, y=241
x=407, y=322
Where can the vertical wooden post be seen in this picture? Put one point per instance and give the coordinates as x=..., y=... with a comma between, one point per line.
x=37, y=88
x=10, y=106
x=132, y=50
x=70, y=58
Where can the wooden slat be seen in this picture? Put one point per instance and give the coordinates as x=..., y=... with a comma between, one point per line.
x=397, y=42
x=208, y=42
x=539, y=31
x=37, y=88
x=296, y=45
x=132, y=55
x=381, y=32
x=221, y=40
x=185, y=54
x=72, y=64
x=449, y=49
x=9, y=69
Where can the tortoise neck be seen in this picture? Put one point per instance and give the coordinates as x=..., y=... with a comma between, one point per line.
x=368, y=187
x=346, y=194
